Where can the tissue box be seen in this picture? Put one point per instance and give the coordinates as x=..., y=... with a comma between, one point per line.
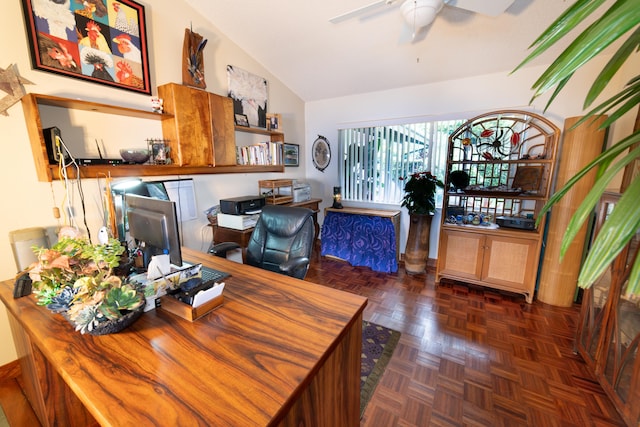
x=154, y=289
x=190, y=313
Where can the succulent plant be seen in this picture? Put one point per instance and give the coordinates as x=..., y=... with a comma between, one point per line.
x=77, y=278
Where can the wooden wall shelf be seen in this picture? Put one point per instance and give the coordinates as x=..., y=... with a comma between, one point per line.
x=32, y=102
x=119, y=171
x=278, y=136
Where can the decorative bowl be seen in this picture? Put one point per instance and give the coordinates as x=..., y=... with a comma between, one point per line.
x=135, y=155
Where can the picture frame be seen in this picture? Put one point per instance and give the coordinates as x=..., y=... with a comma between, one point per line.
x=242, y=120
x=96, y=42
x=528, y=178
x=291, y=154
x=274, y=122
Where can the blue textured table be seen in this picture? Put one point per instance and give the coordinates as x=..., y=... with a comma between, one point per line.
x=363, y=237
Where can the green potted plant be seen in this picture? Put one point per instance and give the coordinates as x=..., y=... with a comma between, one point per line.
x=75, y=278
x=622, y=18
x=420, y=200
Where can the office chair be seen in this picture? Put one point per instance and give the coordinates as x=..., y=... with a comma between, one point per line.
x=281, y=241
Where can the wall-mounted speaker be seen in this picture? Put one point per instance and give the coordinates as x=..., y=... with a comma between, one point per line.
x=54, y=144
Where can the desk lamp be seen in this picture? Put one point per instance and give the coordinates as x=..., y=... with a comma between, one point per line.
x=337, y=197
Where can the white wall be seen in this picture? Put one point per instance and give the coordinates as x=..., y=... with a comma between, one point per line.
x=29, y=203
x=447, y=100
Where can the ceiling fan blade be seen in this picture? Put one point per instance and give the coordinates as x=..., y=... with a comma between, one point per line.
x=484, y=7
x=360, y=10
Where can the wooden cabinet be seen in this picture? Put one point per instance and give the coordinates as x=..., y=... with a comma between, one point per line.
x=500, y=261
x=608, y=335
x=201, y=129
x=500, y=168
x=218, y=158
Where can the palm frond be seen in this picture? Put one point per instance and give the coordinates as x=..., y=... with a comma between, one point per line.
x=571, y=18
x=605, y=158
x=616, y=232
x=612, y=67
x=591, y=199
x=619, y=19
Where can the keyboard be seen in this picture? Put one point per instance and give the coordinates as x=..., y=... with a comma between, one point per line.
x=191, y=287
x=209, y=275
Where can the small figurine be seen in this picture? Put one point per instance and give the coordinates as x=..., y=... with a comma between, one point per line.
x=156, y=104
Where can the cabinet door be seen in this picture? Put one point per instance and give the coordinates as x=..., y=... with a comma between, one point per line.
x=510, y=262
x=189, y=131
x=224, y=135
x=461, y=254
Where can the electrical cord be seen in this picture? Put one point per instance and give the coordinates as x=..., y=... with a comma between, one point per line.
x=63, y=172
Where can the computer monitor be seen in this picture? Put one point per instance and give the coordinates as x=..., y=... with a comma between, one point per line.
x=154, y=222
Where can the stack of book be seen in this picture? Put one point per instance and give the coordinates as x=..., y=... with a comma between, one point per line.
x=262, y=153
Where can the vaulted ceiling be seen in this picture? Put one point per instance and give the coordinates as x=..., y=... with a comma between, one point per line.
x=374, y=50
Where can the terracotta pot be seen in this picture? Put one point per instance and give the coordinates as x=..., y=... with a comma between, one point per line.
x=416, y=252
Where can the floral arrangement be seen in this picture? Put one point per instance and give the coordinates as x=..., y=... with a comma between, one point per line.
x=75, y=278
x=420, y=193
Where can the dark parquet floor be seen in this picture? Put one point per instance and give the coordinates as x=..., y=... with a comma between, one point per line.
x=468, y=356
x=471, y=356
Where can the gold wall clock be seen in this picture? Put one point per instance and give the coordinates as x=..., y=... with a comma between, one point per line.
x=321, y=153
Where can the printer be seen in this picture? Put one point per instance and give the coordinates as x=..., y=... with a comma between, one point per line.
x=242, y=205
x=301, y=191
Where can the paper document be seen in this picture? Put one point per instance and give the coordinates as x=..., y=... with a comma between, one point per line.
x=158, y=266
x=208, y=294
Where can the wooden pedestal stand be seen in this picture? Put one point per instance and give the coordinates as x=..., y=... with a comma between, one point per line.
x=558, y=280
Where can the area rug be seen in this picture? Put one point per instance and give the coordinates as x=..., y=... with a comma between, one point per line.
x=378, y=344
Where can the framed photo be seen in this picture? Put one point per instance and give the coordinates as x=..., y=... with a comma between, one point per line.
x=241, y=120
x=274, y=122
x=101, y=42
x=291, y=154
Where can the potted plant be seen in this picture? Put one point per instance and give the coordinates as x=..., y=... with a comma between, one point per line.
x=620, y=20
x=75, y=278
x=420, y=200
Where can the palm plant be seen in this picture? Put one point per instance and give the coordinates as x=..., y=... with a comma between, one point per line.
x=621, y=19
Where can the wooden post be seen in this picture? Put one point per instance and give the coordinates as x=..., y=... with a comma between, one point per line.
x=558, y=280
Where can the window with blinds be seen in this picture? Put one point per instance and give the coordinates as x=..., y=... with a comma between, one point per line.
x=372, y=160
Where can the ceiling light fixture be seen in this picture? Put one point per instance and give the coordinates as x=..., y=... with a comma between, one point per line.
x=420, y=13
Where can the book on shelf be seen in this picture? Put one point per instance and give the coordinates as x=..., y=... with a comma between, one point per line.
x=260, y=154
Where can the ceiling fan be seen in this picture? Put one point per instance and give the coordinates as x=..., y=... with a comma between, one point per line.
x=421, y=13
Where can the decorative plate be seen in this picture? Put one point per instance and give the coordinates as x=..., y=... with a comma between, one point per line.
x=321, y=153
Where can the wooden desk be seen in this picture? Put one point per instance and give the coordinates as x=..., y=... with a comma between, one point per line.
x=280, y=351
x=241, y=237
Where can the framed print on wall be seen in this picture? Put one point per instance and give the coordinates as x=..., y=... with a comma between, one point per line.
x=101, y=42
x=291, y=154
x=249, y=94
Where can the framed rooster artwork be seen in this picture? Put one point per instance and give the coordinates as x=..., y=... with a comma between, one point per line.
x=102, y=41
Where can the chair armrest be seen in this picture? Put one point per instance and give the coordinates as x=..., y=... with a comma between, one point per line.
x=294, y=264
x=221, y=249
